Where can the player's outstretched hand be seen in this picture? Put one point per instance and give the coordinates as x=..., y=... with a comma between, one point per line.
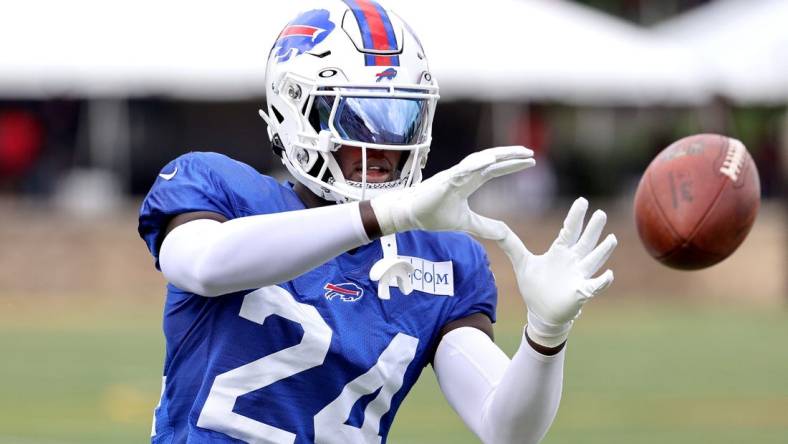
x=556, y=284
x=440, y=203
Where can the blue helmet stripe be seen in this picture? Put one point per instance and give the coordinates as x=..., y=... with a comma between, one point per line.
x=366, y=33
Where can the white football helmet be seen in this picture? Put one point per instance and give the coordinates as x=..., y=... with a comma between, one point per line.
x=349, y=73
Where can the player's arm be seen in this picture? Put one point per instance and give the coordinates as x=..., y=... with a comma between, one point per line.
x=207, y=254
x=500, y=400
x=210, y=257
x=506, y=401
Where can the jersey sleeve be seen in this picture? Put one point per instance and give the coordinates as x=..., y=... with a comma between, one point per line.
x=192, y=182
x=475, y=290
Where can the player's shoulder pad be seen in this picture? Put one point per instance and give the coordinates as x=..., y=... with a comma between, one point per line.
x=203, y=181
x=208, y=164
x=217, y=174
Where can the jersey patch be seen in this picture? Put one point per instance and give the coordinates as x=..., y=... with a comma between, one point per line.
x=347, y=291
x=431, y=277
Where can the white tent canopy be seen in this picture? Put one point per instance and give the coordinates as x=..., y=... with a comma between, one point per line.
x=497, y=49
x=741, y=44
x=118, y=48
x=549, y=49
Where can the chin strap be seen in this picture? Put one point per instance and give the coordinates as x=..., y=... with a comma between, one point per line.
x=391, y=271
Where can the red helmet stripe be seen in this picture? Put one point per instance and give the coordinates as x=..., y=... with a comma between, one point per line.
x=380, y=40
x=299, y=30
x=376, y=29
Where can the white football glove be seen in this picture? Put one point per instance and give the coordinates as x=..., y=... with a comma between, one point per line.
x=440, y=203
x=556, y=284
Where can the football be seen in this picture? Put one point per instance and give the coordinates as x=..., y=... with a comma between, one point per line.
x=697, y=201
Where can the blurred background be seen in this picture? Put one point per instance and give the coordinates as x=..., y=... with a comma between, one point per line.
x=95, y=97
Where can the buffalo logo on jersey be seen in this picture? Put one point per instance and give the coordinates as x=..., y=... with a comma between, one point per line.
x=303, y=34
x=347, y=291
x=388, y=74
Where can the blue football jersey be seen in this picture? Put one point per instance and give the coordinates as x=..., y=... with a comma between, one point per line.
x=319, y=358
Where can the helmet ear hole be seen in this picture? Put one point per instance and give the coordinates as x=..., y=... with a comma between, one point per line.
x=314, y=119
x=276, y=145
x=279, y=117
x=315, y=170
x=320, y=104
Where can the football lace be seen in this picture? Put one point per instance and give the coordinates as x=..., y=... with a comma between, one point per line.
x=734, y=160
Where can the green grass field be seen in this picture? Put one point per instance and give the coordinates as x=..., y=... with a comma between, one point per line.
x=634, y=374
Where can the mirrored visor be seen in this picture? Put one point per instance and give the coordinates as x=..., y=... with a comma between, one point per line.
x=380, y=120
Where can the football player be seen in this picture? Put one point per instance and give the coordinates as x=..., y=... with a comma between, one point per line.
x=305, y=312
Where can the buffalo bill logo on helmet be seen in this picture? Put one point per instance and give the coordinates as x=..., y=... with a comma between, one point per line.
x=388, y=74
x=303, y=34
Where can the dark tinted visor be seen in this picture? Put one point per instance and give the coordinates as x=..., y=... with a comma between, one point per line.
x=382, y=120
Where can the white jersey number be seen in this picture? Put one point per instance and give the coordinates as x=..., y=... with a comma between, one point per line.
x=387, y=375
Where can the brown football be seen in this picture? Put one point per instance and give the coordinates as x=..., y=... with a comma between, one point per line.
x=697, y=201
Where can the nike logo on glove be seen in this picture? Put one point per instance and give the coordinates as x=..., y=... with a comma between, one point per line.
x=170, y=175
